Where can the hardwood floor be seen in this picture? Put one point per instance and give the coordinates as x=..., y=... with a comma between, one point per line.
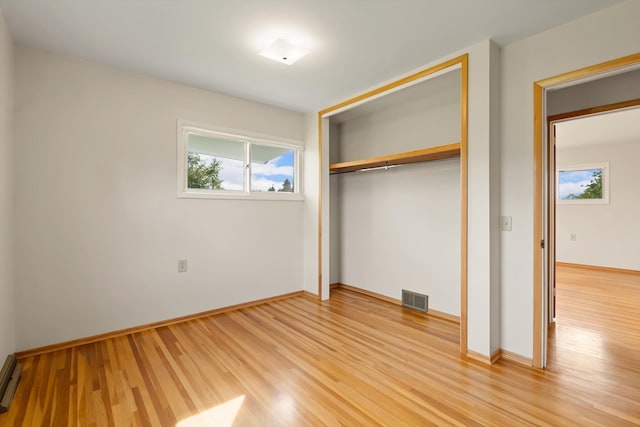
x=354, y=361
x=596, y=342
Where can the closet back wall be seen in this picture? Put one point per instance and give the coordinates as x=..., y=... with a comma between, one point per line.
x=420, y=116
x=400, y=229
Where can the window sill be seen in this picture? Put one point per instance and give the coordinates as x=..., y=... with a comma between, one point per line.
x=278, y=197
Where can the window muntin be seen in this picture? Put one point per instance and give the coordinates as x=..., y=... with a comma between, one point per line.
x=215, y=164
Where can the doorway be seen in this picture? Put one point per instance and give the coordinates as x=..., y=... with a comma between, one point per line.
x=543, y=229
x=594, y=261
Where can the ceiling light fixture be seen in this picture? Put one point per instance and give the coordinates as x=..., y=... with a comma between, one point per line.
x=284, y=51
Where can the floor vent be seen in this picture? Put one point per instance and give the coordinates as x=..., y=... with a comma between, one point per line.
x=415, y=300
x=9, y=378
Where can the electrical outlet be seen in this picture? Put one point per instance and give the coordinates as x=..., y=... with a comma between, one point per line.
x=505, y=223
x=182, y=266
x=572, y=237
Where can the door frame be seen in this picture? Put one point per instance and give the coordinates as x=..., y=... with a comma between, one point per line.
x=541, y=231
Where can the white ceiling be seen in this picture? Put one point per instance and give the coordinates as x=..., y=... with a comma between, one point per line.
x=214, y=44
x=616, y=127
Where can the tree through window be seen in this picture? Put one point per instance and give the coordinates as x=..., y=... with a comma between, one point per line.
x=214, y=163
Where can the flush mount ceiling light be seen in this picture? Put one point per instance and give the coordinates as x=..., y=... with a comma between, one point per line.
x=284, y=51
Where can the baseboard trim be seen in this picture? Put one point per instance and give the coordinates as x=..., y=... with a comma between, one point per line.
x=311, y=295
x=598, y=268
x=515, y=357
x=487, y=360
x=432, y=313
x=368, y=293
x=122, y=332
x=497, y=355
x=444, y=316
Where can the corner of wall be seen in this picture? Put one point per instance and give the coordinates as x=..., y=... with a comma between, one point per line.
x=311, y=175
x=483, y=311
x=7, y=282
x=495, y=64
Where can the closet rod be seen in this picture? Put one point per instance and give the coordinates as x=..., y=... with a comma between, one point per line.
x=385, y=167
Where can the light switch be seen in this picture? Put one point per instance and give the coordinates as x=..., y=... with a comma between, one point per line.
x=505, y=223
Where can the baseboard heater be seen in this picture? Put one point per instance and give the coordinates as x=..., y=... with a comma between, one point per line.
x=9, y=379
x=415, y=300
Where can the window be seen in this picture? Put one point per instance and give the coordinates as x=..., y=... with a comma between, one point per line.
x=226, y=164
x=583, y=184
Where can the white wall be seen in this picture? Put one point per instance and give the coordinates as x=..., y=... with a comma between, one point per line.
x=596, y=93
x=400, y=229
x=429, y=117
x=605, y=35
x=607, y=235
x=335, y=258
x=311, y=204
x=98, y=226
x=483, y=235
x=335, y=227
x=7, y=341
x=495, y=208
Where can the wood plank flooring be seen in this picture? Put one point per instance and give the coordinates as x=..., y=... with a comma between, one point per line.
x=595, y=346
x=354, y=361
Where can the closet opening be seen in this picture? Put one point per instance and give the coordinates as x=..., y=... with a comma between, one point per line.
x=393, y=211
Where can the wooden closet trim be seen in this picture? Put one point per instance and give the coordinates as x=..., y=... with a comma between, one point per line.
x=439, y=152
x=462, y=61
x=539, y=322
x=595, y=110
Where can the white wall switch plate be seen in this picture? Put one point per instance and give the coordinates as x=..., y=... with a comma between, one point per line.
x=182, y=266
x=505, y=223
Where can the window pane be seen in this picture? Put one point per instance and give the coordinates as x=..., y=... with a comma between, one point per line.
x=215, y=163
x=272, y=169
x=580, y=184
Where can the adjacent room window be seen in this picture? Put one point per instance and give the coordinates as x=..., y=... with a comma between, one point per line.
x=583, y=184
x=213, y=163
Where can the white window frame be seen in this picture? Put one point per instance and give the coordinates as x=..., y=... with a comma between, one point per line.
x=605, y=184
x=185, y=127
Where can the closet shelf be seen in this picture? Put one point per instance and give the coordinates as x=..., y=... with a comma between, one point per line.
x=434, y=153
